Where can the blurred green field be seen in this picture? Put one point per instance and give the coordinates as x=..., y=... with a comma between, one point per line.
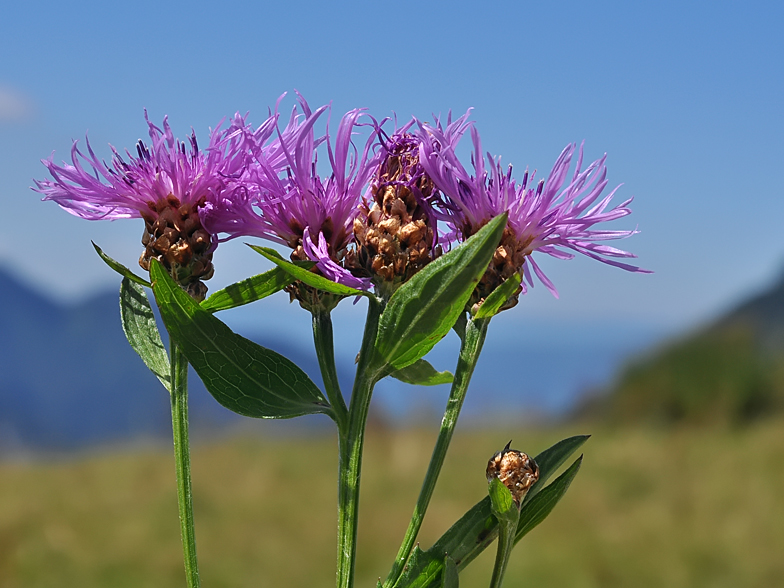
x=684, y=507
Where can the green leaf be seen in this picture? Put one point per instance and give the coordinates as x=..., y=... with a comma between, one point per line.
x=543, y=503
x=120, y=268
x=450, y=577
x=423, y=309
x=421, y=373
x=498, y=297
x=242, y=376
x=248, y=290
x=478, y=528
x=421, y=570
x=304, y=275
x=141, y=330
x=460, y=326
x=551, y=459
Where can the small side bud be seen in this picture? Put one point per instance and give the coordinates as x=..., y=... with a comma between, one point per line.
x=515, y=470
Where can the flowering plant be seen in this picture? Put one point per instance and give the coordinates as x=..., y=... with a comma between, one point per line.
x=397, y=221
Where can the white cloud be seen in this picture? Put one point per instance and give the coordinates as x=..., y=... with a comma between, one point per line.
x=14, y=105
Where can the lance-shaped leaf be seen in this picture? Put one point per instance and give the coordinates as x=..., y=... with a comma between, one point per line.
x=450, y=577
x=141, y=330
x=423, y=309
x=498, y=297
x=120, y=268
x=311, y=279
x=478, y=528
x=421, y=373
x=249, y=290
x=553, y=458
x=543, y=503
x=242, y=376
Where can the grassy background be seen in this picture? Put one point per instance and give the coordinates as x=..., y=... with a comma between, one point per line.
x=670, y=507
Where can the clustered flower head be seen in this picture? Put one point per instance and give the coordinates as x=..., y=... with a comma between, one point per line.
x=371, y=220
x=167, y=183
x=555, y=216
x=396, y=227
x=283, y=198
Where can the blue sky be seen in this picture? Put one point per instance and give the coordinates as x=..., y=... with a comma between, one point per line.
x=686, y=99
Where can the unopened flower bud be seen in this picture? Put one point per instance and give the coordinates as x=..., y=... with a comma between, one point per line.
x=515, y=469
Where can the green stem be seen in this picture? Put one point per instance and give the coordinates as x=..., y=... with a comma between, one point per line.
x=506, y=541
x=179, y=408
x=470, y=349
x=350, y=447
x=325, y=351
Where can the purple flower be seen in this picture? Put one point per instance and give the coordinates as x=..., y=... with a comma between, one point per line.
x=396, y=228
x=555, y=217
x=131, y=189
x=299, y=208
x=167, y=183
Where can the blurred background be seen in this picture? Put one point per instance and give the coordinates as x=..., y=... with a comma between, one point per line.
x=678, y=375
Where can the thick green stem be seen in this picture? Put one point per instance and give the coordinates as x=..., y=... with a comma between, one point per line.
x=471, y=347
x=179, y=408
x=350, y=447
x=325, y=351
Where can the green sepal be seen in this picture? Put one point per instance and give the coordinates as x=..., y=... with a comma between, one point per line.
x=423, y=309
x=249, y=290
x=304, y=275
x=478, y=528
x=141, y=330
x=421, y=373
x=502, y=505
x=498, y=297
x=244, y=377
x=450, y=577
x=120, y=268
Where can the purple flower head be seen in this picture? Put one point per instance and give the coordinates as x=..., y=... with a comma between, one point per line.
x=167, y=167
x=396, y=227
x=555, y=217
x=167, y=183
x=283, y=198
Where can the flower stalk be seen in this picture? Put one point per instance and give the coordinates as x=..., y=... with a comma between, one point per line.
x=325, y=351
x=350, y=449
x=179, y=409
x=472, y=341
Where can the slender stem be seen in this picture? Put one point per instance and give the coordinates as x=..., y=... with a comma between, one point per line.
x=325, y=351
x=470, y=349
x=506, y=541
x=179, y=408
x=350, y=447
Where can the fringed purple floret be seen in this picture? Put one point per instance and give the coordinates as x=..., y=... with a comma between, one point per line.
x=282, y=197
x=127, y=187
x=554, y=217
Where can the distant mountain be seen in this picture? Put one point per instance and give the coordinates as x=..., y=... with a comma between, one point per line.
x=762, y=315
x=68, y=377
x=729, y=371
